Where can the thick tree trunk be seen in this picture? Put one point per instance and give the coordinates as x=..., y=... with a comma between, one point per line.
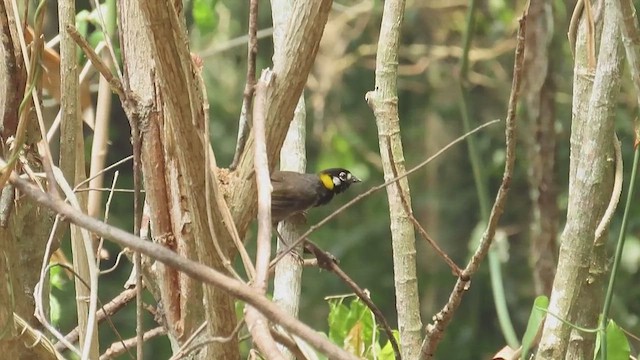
x=577, y=289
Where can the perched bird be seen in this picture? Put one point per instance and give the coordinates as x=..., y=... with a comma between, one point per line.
x=295, y=192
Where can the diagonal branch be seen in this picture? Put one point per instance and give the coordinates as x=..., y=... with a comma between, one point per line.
x=193, y=269
x=435, y=330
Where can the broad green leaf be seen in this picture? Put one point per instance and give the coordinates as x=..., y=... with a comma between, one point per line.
x=617, y=343
x=338, y=328
x=352, y=326
x=536, y=318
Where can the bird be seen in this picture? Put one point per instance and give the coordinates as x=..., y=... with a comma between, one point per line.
x=295, y=192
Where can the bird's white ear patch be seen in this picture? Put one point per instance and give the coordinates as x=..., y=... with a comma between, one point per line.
x=336, y=181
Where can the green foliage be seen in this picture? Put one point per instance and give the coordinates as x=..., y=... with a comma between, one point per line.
x=538, y=312
x=57, y=277
x=89, y=25
x=55, y=311
x=617, y=343
x=354, y=328
x=204, y=15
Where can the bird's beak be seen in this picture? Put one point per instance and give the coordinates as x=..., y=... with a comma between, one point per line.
x=355, y=179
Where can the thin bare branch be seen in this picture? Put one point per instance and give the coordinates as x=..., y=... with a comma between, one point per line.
x=327, y=262
x=118, y=348
x=191, y=268
x=108, y=310
x=247, y=96
x=416, y=224
x=116, y=84
x=435, y=330
x=257, y=324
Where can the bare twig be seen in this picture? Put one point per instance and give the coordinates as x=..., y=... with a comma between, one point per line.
x=288, y=343
x=107, y=207
x=108, y=310
x=116, y=84
x=603, y=225
x=326, y=261
x=379, y=187
x=247, y=96
x=186, y=349
x=216, y=49
x=108, y=34
x=416, y=224
x=257, y=324
x=118, y=348
x=435, y=330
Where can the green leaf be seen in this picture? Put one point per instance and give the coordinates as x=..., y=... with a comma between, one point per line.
x=536, y=318
x=617, y=343
x=204, y=15
x=54, y=310
x=352, y=326
x=338, y=314
x=387, y=351
x=57, y=277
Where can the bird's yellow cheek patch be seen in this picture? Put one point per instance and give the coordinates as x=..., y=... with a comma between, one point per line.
x=327, y=181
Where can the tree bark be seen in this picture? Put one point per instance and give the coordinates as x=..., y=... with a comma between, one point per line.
x=577, y=289
x=24, y=225
x=384, y=103
x=287, y=282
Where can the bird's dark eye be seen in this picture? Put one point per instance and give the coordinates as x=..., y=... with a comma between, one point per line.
x=343, y=176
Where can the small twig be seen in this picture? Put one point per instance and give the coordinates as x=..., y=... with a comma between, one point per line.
x=376, y=188
x=117, y=262
x=416, y=224
x=435, y=330
x=108, y=310
x=107, y=37
x=572, y=34
x=287, y=342
x=326, y=261
x=247, y=96
x=107, y=208
x=191, y=338
x=115, y=164
x=216, y=49
x=114, y=190
x=185, y=349
x=603, y=225
x=116, y=84
x=118, y=348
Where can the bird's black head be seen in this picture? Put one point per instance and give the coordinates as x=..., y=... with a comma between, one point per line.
x=337, y=180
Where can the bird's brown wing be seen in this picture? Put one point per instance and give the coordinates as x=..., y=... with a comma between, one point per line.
x=292, y=193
